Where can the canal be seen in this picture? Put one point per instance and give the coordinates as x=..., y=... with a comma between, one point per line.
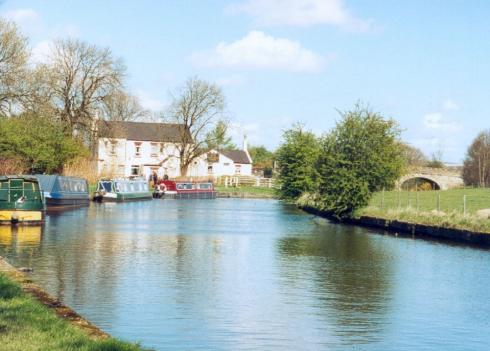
x=233, y=274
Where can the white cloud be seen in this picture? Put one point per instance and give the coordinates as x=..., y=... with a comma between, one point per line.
x=437, y=122
x=149, y=102
x=301, y=13
x=27, y=19
x=450, y=105
x=40, y=52
x=259, y=50
x=233, y=80
x=21, y=16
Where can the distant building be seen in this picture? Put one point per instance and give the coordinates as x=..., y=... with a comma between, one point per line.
x=216, y=163
x=137, y=149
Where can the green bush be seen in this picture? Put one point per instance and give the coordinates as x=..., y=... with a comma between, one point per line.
x=362, y=154
x=8, y=289
x=297, y=158
x=41, y=143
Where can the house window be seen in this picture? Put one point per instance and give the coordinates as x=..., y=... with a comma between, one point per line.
x=154, y=149
x=137, y=148
x=135, y=170
x=226, y=164
x=113, y=148
x=238, y=169
x=210, y=169
x=162, y=147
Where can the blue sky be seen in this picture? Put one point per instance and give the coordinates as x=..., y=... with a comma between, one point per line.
x=424, y=63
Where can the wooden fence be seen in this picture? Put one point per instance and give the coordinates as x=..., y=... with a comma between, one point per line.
x=248, y=181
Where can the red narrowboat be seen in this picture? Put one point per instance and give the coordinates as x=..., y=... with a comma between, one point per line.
x=169, y=189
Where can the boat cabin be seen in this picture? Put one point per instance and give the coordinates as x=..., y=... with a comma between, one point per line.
x=122, y=190
x=185, y=190
x=64, y=191
x=21, y=200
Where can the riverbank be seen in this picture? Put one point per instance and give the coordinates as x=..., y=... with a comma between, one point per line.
x=246, y=192
x=31, y=319
x=412, y=228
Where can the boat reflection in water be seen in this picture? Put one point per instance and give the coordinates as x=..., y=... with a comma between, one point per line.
x=18, y=237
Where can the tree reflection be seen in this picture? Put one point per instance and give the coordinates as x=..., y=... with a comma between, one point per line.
x=351, y=273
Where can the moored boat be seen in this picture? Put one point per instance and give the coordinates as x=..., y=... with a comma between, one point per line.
x=62, y=191
x=122, y=190
x=21, y=200
x=184, y=190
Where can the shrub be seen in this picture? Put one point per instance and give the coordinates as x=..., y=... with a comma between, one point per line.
x=297, y=158
x=8, y=289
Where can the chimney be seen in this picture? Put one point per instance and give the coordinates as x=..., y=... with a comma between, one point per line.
x=245, y=143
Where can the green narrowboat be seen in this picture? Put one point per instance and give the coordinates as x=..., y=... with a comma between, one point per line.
x=122, y=190
x=21, y=200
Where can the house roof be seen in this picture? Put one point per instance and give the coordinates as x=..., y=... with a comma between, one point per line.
x=237, y=156
x=142, y=131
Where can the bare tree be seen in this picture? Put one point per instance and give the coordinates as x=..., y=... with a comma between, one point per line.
x=82, y=76
x=413, y=156
x=195, y=109
x=476, y=169
x=13, y=66
x=120, y=106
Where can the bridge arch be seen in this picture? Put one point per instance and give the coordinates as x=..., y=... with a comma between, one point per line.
x=435, y=183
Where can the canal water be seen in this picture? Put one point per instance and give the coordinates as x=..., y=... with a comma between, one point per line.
x=233, y=274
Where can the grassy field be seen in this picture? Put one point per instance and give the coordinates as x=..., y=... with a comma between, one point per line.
x=426, y=201
x=450, y=208
x=251, y=190
x=25, y=324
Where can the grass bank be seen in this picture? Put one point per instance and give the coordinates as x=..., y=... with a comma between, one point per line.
x=448, y=208
x=247, y=191
x=26, y=324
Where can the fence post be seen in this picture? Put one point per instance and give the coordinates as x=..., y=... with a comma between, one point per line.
x=464, y=205
x=257, y=181
x=399, y=198
x=417, y=201
x=438, y=201
x=383, y=198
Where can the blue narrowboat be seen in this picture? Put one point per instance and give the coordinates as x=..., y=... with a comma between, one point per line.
x=63, y=191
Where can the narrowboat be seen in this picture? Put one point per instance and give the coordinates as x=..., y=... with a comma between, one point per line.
x=61, y=191
x=169, y=189
x=21, y=200
x=122, y=190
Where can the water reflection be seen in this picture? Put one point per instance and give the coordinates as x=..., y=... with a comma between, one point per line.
x=249, y=274
x=23, y=241
x=351, y=277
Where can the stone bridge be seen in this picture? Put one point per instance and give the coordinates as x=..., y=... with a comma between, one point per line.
x=441, y=178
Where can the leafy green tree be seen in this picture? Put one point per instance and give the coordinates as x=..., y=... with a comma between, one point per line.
x=39, y=142
x=262, y=158
x=217, y=138
x=361, y=155
x=296, y=158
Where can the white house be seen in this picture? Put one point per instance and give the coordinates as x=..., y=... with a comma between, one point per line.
x=138, y=149
x=216, y=163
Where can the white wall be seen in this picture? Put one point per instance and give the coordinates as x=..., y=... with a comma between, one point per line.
x=224, y=167
x=124, y=158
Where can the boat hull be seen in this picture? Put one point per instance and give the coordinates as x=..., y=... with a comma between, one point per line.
x=52, y=203
x=123, y=197
x=191, y=195
x=26, y=217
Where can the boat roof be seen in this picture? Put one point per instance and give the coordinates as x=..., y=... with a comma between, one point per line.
x=25, y=177
x=50, y=182
x=139, y=179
